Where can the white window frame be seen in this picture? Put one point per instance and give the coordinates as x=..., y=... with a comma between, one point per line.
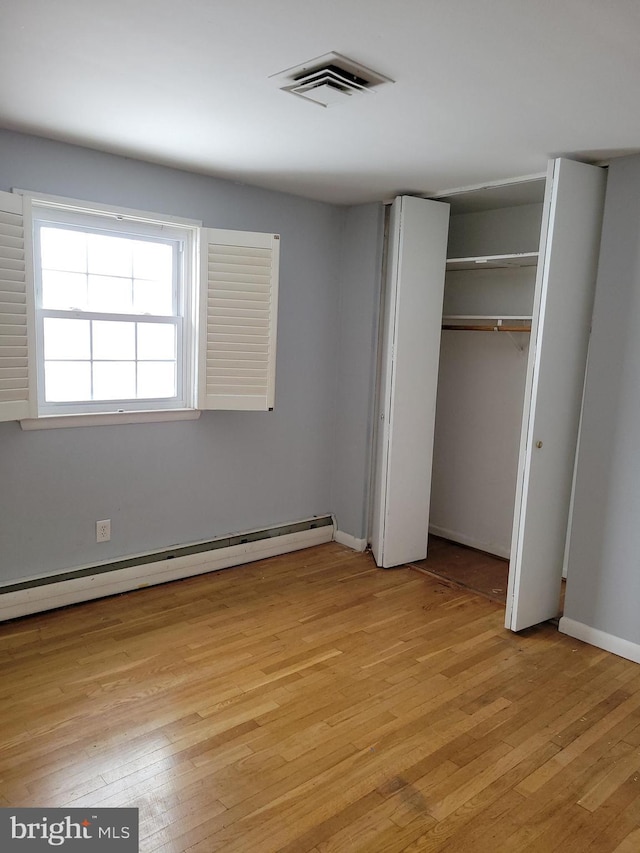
x=184, y=240
x=231, y=309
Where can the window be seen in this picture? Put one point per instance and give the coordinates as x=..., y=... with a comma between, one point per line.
x=104, y=310
x=113, y=313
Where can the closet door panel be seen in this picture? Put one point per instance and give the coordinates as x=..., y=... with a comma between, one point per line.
x=409, y=376
x=560, y=335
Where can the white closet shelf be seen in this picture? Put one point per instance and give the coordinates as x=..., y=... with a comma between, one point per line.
x=493, y=262
x=486, y=323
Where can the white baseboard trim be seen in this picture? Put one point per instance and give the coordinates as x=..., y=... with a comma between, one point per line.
x=608, y=642
x=58, y=594
x=350, y=541
x=462, y=539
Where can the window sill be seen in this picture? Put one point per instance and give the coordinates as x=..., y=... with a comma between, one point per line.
x=108, y=418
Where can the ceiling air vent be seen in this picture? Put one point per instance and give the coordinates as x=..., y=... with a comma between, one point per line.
x=329, y=79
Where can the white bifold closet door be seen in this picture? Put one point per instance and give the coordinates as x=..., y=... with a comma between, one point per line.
x=412, y=320
x=563, y=305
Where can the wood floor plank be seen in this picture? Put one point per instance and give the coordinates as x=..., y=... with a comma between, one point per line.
x=604, y=829
x=312, y=703
x=630, y=844
x=622, y=714
x=628, y=763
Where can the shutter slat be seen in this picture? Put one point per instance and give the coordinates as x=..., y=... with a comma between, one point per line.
x=243, y=284
x=12, y=264
x=240, y=300
x=235, y=326
x=11, y=286
x=236, y=316
x=230, y=364
x=239, y=284
x=217, y=335
x=14, y=395
x=228, y=346
x=12, y=372
x=7, y=382
x=10, y=324
x=257, y=372
x=12, y=307
x=248, y=278
x=241, y=266
x=13, y=347
x=14, y=362
x=226, y=382
x=237, y=389
x=9, y=226
x=10, y=275
x=214, y=304
x=12, y=247
x=244, y=313
x=223, y=355
x=219, y=250
x=12, y=296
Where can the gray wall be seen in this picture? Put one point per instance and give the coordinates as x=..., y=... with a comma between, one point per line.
x=173, y=483
x=477, y=438
x=361, y=266
x=494, y=232
x=603, y=585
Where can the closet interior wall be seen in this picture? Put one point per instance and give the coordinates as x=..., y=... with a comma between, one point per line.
x=482, y=374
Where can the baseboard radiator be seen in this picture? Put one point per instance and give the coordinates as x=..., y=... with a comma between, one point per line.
x=83, y=584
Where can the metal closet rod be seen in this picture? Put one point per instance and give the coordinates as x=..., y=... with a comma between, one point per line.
x=455, y=327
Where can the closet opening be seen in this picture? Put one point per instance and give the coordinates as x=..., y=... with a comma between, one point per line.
x=478, y=422
x=492, y=259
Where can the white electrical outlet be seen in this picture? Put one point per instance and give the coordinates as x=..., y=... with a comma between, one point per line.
x=103, y=530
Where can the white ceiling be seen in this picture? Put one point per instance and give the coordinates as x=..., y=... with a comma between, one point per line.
x=485, y=89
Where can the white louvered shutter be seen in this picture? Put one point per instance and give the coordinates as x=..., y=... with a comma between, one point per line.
x=238, y=316
x=14, y=349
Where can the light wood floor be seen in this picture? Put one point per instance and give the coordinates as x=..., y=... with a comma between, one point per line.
x=312, y=703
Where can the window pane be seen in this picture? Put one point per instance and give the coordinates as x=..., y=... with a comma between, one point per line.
x=110, y=294
x=153, y=297
x=66, y=339
x=63, y=250
x=64, y=290
x=109, y=311
x=109, y=255
x=67, y=380
x=156, y=341
x=152, y=260
x=114, y=341
x=114, y=380
x=156, y=379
